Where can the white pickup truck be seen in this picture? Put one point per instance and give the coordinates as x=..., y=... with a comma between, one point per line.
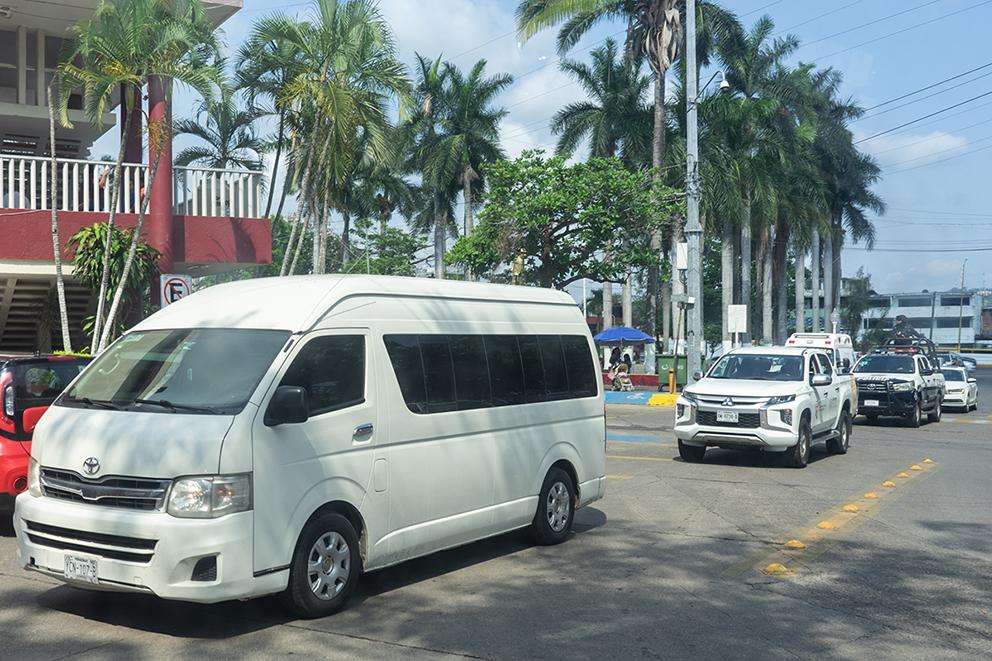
x=778, y=399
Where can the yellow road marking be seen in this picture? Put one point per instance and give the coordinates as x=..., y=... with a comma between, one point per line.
x=820, y=536
x=888, y=483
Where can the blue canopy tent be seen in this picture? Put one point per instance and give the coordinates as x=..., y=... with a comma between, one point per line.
x=622, y=335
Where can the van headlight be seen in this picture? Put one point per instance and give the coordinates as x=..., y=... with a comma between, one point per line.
x=210, y=496
x=34, y=477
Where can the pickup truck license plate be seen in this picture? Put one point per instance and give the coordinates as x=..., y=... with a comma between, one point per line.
x=871, y=402
x=726, y=416
x=78, y=568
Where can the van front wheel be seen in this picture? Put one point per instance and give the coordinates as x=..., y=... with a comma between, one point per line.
x=555, y=508
x=325, y=567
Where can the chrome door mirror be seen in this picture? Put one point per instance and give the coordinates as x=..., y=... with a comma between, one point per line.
x=821, y=380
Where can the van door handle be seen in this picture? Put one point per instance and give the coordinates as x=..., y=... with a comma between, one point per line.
x=364, y=430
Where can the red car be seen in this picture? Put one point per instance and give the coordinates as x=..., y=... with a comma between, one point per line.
x=28, y=385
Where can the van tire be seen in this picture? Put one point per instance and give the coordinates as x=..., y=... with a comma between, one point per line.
x=691, y=453
x=331, y=531
x=798, y=455
x=840, y=443
x=555, y=509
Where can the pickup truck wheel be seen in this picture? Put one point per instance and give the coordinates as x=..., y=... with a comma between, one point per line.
x=798, y=455
x=934, y=415
x=840, y=443
x=915, y=417
x=691, y=453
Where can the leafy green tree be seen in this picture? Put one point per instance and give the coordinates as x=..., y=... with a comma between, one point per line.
x=390, y=251
x=588, y=220
x=226, y=134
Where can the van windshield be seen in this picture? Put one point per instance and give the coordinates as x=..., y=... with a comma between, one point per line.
x=191, y=370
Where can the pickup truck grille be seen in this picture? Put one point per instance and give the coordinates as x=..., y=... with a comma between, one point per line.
x=121, y=492
x=114, y=547
x=873, y=386
x=744, y=420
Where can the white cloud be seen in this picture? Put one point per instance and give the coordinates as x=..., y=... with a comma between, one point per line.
x=911, y=149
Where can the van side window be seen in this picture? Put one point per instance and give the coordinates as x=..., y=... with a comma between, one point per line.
x=555, y=376
x=439, y=375
x=404, y=353
x=581, y=374
x=535, y=389
x=505, y=369
x=332, y=370
x=468, y=353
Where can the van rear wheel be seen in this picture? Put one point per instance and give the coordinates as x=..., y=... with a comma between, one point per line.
x=555, y=508
x=325, y=567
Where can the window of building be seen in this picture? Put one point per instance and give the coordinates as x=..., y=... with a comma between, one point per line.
x=953, y=322
x=332, y=370
x=879, y=302
x=915, y=302
x=955, y=301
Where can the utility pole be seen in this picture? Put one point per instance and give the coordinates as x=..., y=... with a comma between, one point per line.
x=693, y=230
x=961, y=303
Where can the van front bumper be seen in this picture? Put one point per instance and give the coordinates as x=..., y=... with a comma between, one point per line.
x=48, y=529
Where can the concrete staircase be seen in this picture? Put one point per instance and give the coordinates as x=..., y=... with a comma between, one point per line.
x=29, y=313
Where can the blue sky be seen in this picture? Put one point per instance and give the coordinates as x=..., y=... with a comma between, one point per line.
x=936, y=181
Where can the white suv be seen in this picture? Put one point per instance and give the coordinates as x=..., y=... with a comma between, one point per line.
x=778, y=399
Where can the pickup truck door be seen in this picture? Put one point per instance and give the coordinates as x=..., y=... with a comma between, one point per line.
x=931, y=386
x=821, y=397
x=832, y=392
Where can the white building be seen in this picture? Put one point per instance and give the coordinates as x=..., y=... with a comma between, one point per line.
x=938, y=315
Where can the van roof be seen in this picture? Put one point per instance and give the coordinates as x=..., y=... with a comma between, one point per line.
x=832, y=339
x=296, y=303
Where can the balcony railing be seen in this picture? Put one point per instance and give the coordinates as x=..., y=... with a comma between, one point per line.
x=26, y=182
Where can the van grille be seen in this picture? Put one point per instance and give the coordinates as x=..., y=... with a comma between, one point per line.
x=121, y=492
x=114, y=547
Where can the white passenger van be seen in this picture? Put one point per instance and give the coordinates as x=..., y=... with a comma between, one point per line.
x=286, y=434
x=838, y=345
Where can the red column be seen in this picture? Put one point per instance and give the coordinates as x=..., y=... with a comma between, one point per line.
x=158, y=223
x=132, y=141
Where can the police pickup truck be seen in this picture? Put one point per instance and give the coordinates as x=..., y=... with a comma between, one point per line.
x=777, y=399
x=903, y=383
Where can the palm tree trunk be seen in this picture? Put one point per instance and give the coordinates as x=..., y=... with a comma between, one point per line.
x=781, y=284
x=828, y=280
x=301, y=202
x=304, y=225
x=838, y=280
x=132, y=249
x=467, y=200
x=607, y=305
x=814, y=289
x=766, y=285
x=275, y=163
x=657, y=159
x=114, y=193
x=746, y=266
x=626, y=301
x=56, y=242
x=345, y=240
x=438, y=239
x=727, y=276
x=800, y=287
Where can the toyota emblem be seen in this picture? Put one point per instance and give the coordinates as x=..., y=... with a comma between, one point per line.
x=727, y=402
x=91, y=465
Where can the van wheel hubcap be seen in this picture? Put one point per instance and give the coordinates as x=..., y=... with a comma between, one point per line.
x=328, y=565
x=559, y=506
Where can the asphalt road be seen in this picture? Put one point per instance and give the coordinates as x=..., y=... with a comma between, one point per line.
x=671, y=564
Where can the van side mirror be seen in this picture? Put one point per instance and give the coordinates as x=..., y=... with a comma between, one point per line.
x=697, y=375
x=289, y=405
x=821, y=380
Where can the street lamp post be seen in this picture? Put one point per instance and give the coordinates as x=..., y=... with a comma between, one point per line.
x=961, y=304
x=835, y=320
x=693, y=230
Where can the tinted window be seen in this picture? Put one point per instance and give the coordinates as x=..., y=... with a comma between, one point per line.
x=332, y=369
x=825, y=367
x=917, y=302
x=404, y=353
x=760, y=367
x=555, y=375
x=468, y=355
x=439, y=375
x=578, y=362
x=505, y=370
x=535, y=389
x=39, y=381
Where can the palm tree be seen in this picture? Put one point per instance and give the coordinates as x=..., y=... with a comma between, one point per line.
x=125, y=46
x=56, y=241
x=227, y=135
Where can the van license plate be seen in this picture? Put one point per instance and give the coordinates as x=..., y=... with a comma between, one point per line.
x=726, y=416
x=78, y=568
x=871, y=402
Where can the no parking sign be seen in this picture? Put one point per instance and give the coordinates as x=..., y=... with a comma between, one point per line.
x=174, y=287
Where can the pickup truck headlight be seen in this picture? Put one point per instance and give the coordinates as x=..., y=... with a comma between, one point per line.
x=34, y=477
x=781, y=399
x=903, y=386
x=689, y=397
x=209, y=496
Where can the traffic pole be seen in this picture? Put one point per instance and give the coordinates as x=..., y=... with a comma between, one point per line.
x=693, y=230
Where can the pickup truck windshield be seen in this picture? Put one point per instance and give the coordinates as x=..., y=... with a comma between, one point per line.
x=192, y=370
x=759, y=367
x=886, y=364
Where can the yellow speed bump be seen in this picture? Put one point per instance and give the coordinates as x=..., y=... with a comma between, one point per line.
x=825, y=525
x=871, y=494
x=928, y=461
x=775, y=568
x=794, y=544
x=888, y=483
x=902, y=474
x=916, y=467
x=850, y=508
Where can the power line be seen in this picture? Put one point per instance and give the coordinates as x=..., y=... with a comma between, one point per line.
x=962, y=214
x=933, y=137
x=924, y=98
x=943, y=160
x=930, y=86
x=920, y=119
x=934, y=153
x=864, y=25
x=818, y=17
x=761, y=8
x=932, y=250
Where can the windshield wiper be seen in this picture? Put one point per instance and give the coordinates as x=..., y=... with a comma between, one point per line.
x=175, y=407
x=99, y=403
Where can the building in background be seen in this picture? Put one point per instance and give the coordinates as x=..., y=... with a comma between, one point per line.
x=202, y=220
x=938, y=315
